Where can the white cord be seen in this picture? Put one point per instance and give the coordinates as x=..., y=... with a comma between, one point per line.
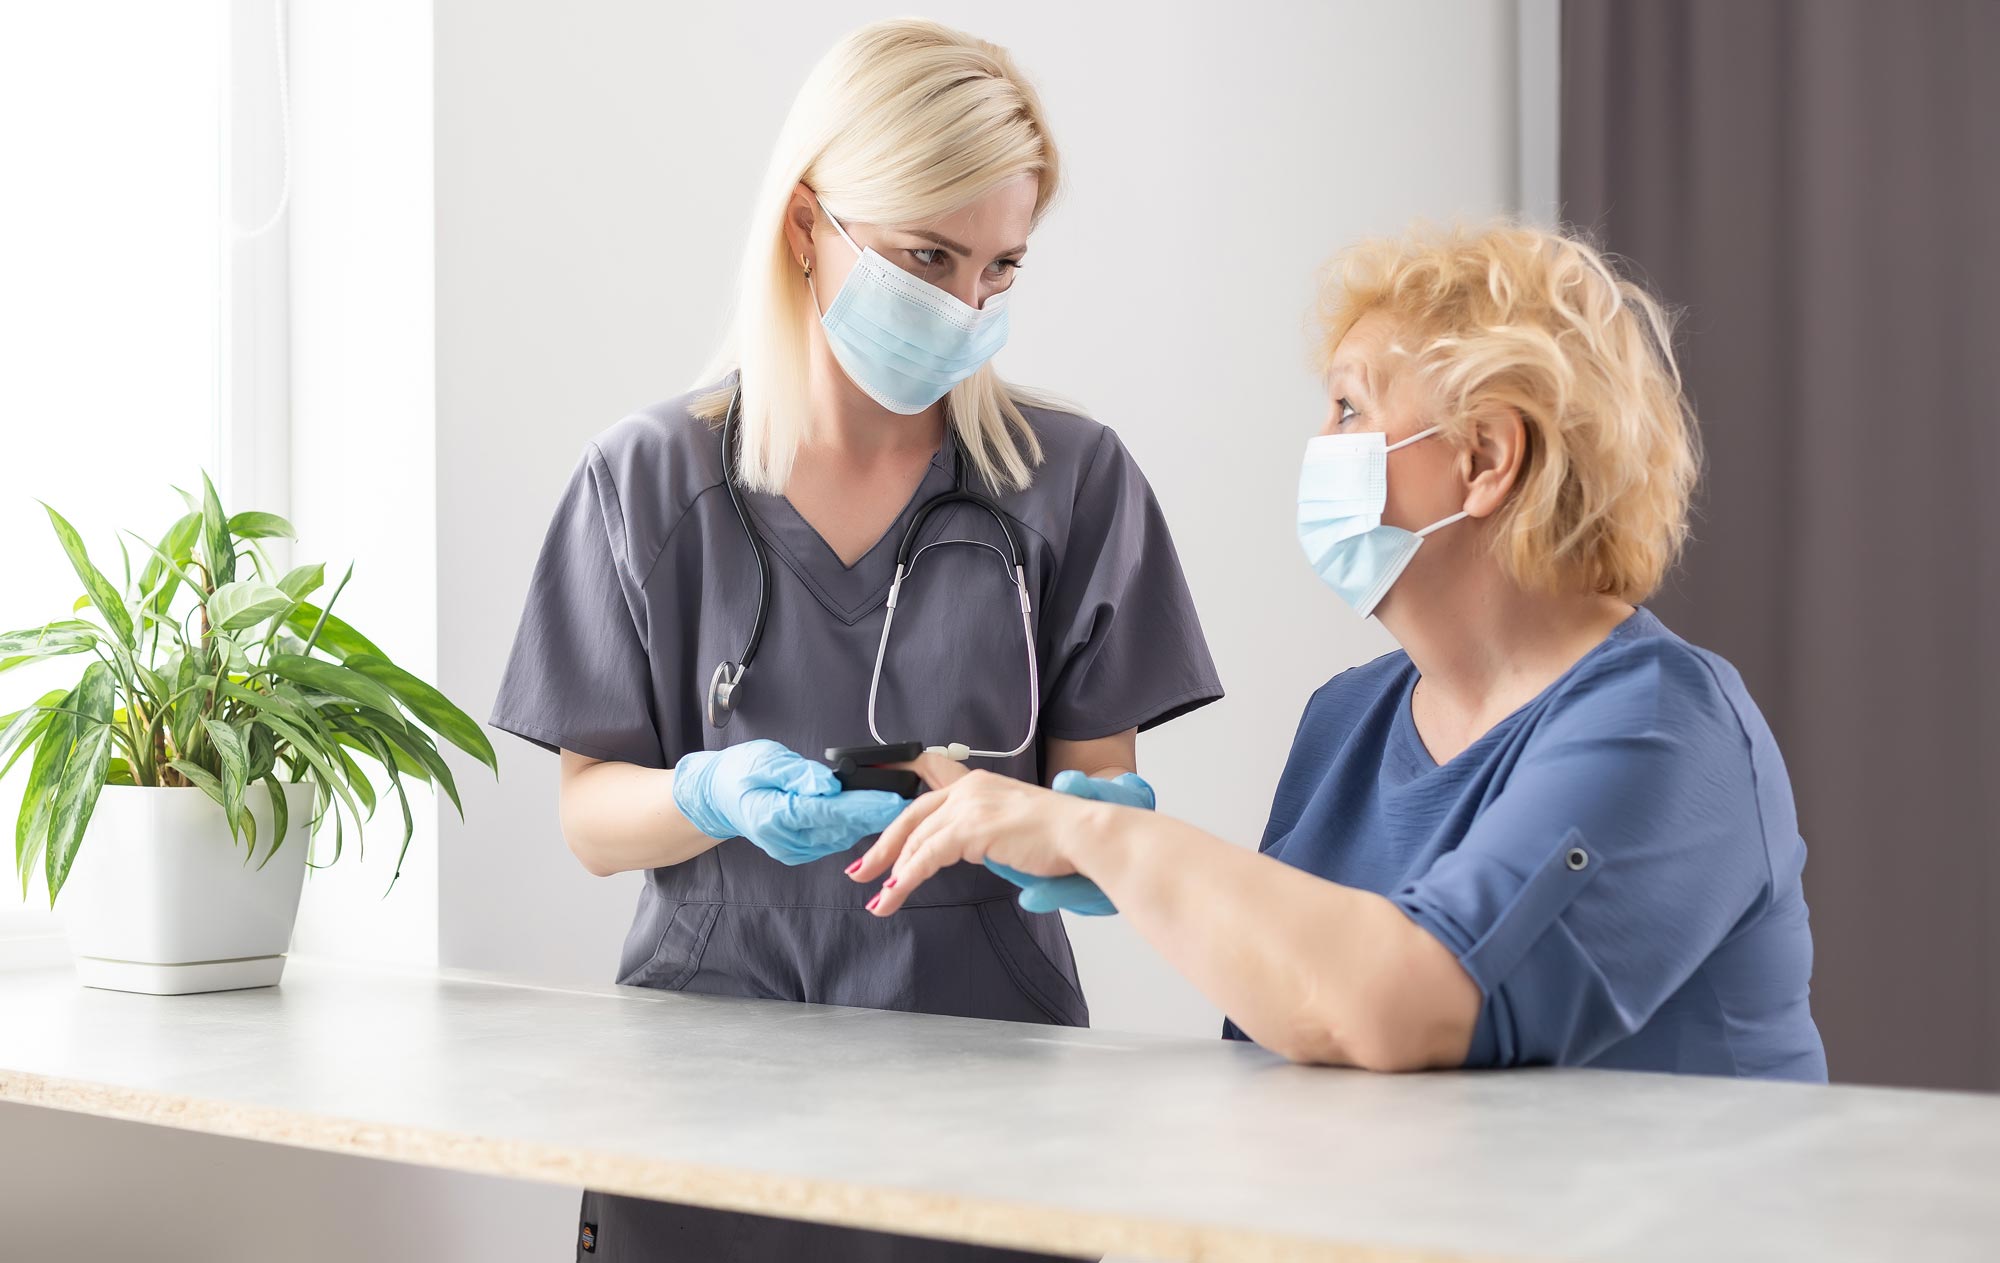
x=285, y=132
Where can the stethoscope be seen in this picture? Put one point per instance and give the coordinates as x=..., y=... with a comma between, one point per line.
x=724, y=685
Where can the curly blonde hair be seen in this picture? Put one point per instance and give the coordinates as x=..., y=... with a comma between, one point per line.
x=1537, y=321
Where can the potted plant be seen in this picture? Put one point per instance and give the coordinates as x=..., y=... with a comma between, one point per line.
x=223, y=719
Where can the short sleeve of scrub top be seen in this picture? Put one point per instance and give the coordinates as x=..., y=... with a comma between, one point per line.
x=1127, y=649
x=1616, y=865
x=579, y=677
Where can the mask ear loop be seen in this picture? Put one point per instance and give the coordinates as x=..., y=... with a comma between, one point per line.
x=814, y=289
x=1441, y=523
x=1418, y=437
x=836, y=225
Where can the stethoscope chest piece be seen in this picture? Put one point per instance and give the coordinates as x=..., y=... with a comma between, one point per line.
x=722, y=693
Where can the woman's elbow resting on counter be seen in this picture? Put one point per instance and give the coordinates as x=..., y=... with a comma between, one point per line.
x=1411, y=1007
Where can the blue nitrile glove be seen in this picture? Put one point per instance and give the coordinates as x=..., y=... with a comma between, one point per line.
x=789, y=806
x=1075, y=892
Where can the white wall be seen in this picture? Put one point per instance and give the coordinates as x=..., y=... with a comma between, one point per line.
x=593, y=162
x=363, y=409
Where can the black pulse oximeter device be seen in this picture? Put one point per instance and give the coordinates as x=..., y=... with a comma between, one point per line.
x=863, y=767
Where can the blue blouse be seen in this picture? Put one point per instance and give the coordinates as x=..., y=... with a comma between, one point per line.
x=1616, y=864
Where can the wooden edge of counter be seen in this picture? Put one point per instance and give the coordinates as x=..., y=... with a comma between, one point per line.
x=908, y=1211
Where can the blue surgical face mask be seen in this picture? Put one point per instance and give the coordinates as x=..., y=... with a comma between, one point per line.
x=902, y=340
x=1343, y=488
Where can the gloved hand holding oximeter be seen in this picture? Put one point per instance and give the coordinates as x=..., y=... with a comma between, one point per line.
x=790, y=807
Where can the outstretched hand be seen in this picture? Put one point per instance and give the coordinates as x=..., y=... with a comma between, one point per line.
x=977, y=817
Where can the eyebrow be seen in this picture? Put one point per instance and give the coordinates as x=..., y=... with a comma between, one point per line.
x=1356, y=370
x=954, y=247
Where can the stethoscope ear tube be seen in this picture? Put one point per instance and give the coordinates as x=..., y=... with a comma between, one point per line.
x=1027, y=639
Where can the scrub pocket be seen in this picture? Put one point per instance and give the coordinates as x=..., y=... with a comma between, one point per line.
x=1038, y=978
x=664, y=948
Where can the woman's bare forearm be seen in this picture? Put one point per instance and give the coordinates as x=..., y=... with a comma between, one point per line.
x=1313, y=970
x=1101, y=757
x=618, y=817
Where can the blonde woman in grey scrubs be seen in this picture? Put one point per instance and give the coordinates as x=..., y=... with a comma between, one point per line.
x=856, y=389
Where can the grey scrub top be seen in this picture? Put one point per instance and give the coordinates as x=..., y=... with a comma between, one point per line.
x=646, y=582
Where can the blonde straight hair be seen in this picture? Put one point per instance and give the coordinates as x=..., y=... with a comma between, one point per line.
x=901, y=121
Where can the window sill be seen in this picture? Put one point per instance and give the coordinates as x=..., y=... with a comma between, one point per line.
x=33, y=950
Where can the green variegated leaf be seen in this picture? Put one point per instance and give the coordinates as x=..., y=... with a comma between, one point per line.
x=235, y=755
x=172, y=570
x=414, y=746
x=302, y=581
x=331, y=678
x=188, y=677
x=109, y=602
x=216, y=541
x=246, y=828
x=31, y=827
x=255, y=525
x=357, y=780
x=203, y=779
x=431, y=708
x=281, y=818
x=263, y=750
x=19, y=730
x=313, y=750
x=233, y=655
x=236, y=606
x=162, y=575
x=54, y=641
x=75, y=799
x=65, y=785
x=409, y=831
x=335, y=636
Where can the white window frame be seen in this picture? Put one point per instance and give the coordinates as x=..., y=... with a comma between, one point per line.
x=254, y=394
x=251, y=457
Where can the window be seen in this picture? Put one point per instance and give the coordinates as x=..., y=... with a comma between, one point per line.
x=143, y=330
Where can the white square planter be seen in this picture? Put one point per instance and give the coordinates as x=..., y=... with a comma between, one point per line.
x=160, y=900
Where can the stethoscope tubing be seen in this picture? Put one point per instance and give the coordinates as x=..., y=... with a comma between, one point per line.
x=725, y=682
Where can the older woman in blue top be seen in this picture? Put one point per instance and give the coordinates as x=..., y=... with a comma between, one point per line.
x=1546, y=830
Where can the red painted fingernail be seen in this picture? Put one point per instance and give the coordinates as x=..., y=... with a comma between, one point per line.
x=890, y=884
x=872, y=902
x=854, y=868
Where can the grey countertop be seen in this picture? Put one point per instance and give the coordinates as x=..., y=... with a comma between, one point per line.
x=1022, y=1135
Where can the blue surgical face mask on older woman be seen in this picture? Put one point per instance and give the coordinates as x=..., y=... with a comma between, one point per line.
x=901, y=339
x=1343, y=488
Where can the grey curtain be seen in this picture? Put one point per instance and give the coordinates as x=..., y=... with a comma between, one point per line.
x=1816, y=184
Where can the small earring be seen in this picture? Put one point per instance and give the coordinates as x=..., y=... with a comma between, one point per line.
x=806, y=264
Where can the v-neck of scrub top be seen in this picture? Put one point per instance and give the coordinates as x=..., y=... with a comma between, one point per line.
x=849, y=593
x=1414, y=758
